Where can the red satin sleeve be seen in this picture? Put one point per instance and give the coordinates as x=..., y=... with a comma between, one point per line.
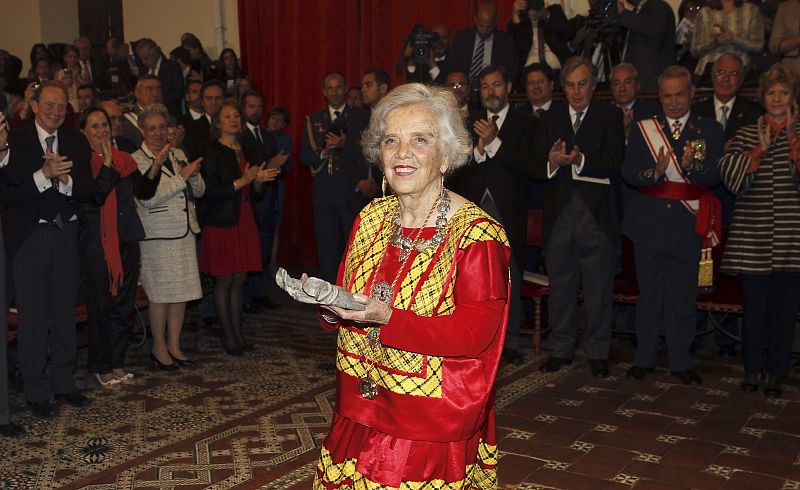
x=480, y=293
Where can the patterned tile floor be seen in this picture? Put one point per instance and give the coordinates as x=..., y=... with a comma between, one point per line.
x=257, y=421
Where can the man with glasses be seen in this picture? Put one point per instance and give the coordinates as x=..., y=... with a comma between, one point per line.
x=732, y=112
x=458, y=85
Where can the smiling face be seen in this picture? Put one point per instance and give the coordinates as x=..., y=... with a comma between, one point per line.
x=624, y=86
x=97, y=130
x=154, y=131
x=777, y=99
x=538, y=88
x=410, y=152
x=51, y=108
x=676, y=96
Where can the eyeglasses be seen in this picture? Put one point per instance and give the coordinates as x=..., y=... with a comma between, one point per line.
x=723, y=74
x=456, y=86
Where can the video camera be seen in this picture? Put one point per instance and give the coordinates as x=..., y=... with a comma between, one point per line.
x=603, y=16
x=422, y=42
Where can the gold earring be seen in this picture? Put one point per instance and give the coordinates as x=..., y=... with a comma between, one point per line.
x=383, y=186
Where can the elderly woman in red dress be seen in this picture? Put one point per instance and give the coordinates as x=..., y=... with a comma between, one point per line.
x=416, y=369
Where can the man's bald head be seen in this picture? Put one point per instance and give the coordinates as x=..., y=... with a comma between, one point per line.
x=486, y=19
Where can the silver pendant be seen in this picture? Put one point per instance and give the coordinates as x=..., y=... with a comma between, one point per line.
x=368, y=388
x=382, y=292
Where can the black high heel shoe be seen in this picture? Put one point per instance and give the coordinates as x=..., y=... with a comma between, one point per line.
x=182, y=362
x=160, y=365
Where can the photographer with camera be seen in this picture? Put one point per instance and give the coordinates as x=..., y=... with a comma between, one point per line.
x=598, y=37
x=425, y=54
x=540, y=33
x=650, y=40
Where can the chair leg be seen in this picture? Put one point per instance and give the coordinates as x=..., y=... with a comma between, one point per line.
x=537, y=324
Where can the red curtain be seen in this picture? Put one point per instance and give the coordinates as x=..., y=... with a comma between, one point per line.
x=288, y=46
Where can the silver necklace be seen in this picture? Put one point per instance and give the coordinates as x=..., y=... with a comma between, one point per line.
x=406, y=243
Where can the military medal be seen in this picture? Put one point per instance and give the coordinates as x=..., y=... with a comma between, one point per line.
x=699, y=149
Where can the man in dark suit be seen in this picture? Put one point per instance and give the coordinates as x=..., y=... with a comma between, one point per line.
x=362, y=176
x=663, y=161
x=650, y=40
x=7, y=428
x=324, y=136
x=193, y=103
x=497, y=178
x=474, y=48
x=114, y=111
x=433, y=70
x=539, y=82
x=41, y=226
x=168, y=73
x=198, y=132
x=259, y=146
x=540, y=36
x=579, y=147
x=94, y=67
x=731, y=112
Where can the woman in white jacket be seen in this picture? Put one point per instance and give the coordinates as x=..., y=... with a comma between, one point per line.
x=170, y=275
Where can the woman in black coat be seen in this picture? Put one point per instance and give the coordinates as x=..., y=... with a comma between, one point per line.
x=110, y=244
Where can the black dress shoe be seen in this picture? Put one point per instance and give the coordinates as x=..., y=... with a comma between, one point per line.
x=74, y=399
x=772, y=387
x=554, y=364
x=42, y=410
x=11, y=430
x=160, y=365
x=688, y=377
x=512, y=356
x=599, y=368
x=635, y=373
x=750, y=383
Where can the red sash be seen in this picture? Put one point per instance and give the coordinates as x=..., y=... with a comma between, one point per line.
x=707, y=220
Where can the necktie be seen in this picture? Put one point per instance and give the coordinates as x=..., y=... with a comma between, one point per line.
x=540, y=43
x=724, y=117
x=495, y=117
x=577, y=122
x=676, y=130
x=538, y=112
x=257, y=133
x=477, y=60
x=49, y=141
x=336, y=115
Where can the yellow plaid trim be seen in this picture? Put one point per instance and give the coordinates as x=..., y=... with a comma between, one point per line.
x=422, y=375
x=477, y=476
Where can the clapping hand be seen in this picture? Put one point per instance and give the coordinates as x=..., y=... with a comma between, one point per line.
x=278, y=160
x=486, y=133
x=162, y=155
x=662, y=162
x=764, y=137
x=266, y=174
x=725, y=36
x=190, y=169
x=375, y=311
x=559, y=156
x=334, y=141
x=56, y=166
x=688, y=156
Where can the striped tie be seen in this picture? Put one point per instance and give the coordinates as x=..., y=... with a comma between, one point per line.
x=477, y=60
x=577, y=122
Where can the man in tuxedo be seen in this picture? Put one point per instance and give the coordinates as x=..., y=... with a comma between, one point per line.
x=432, y=72
x=497, y=179
x=198, y=132
x=650, y=41
x=540, y=36
x=148, y=91
x=51, y=165
x=672, y=173
x=7, y=428
x=539, y=83
x=259, y=146
x=474, y=48
x=168, y=73
x=579, y=147
x=114, y=111
x=324, y=136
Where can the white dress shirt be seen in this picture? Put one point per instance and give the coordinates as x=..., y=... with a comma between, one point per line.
x=492, y=148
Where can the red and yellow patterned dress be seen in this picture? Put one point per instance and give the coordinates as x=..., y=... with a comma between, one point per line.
x=431, y=424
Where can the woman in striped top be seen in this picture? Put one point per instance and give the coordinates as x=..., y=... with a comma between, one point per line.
x=761, y=168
